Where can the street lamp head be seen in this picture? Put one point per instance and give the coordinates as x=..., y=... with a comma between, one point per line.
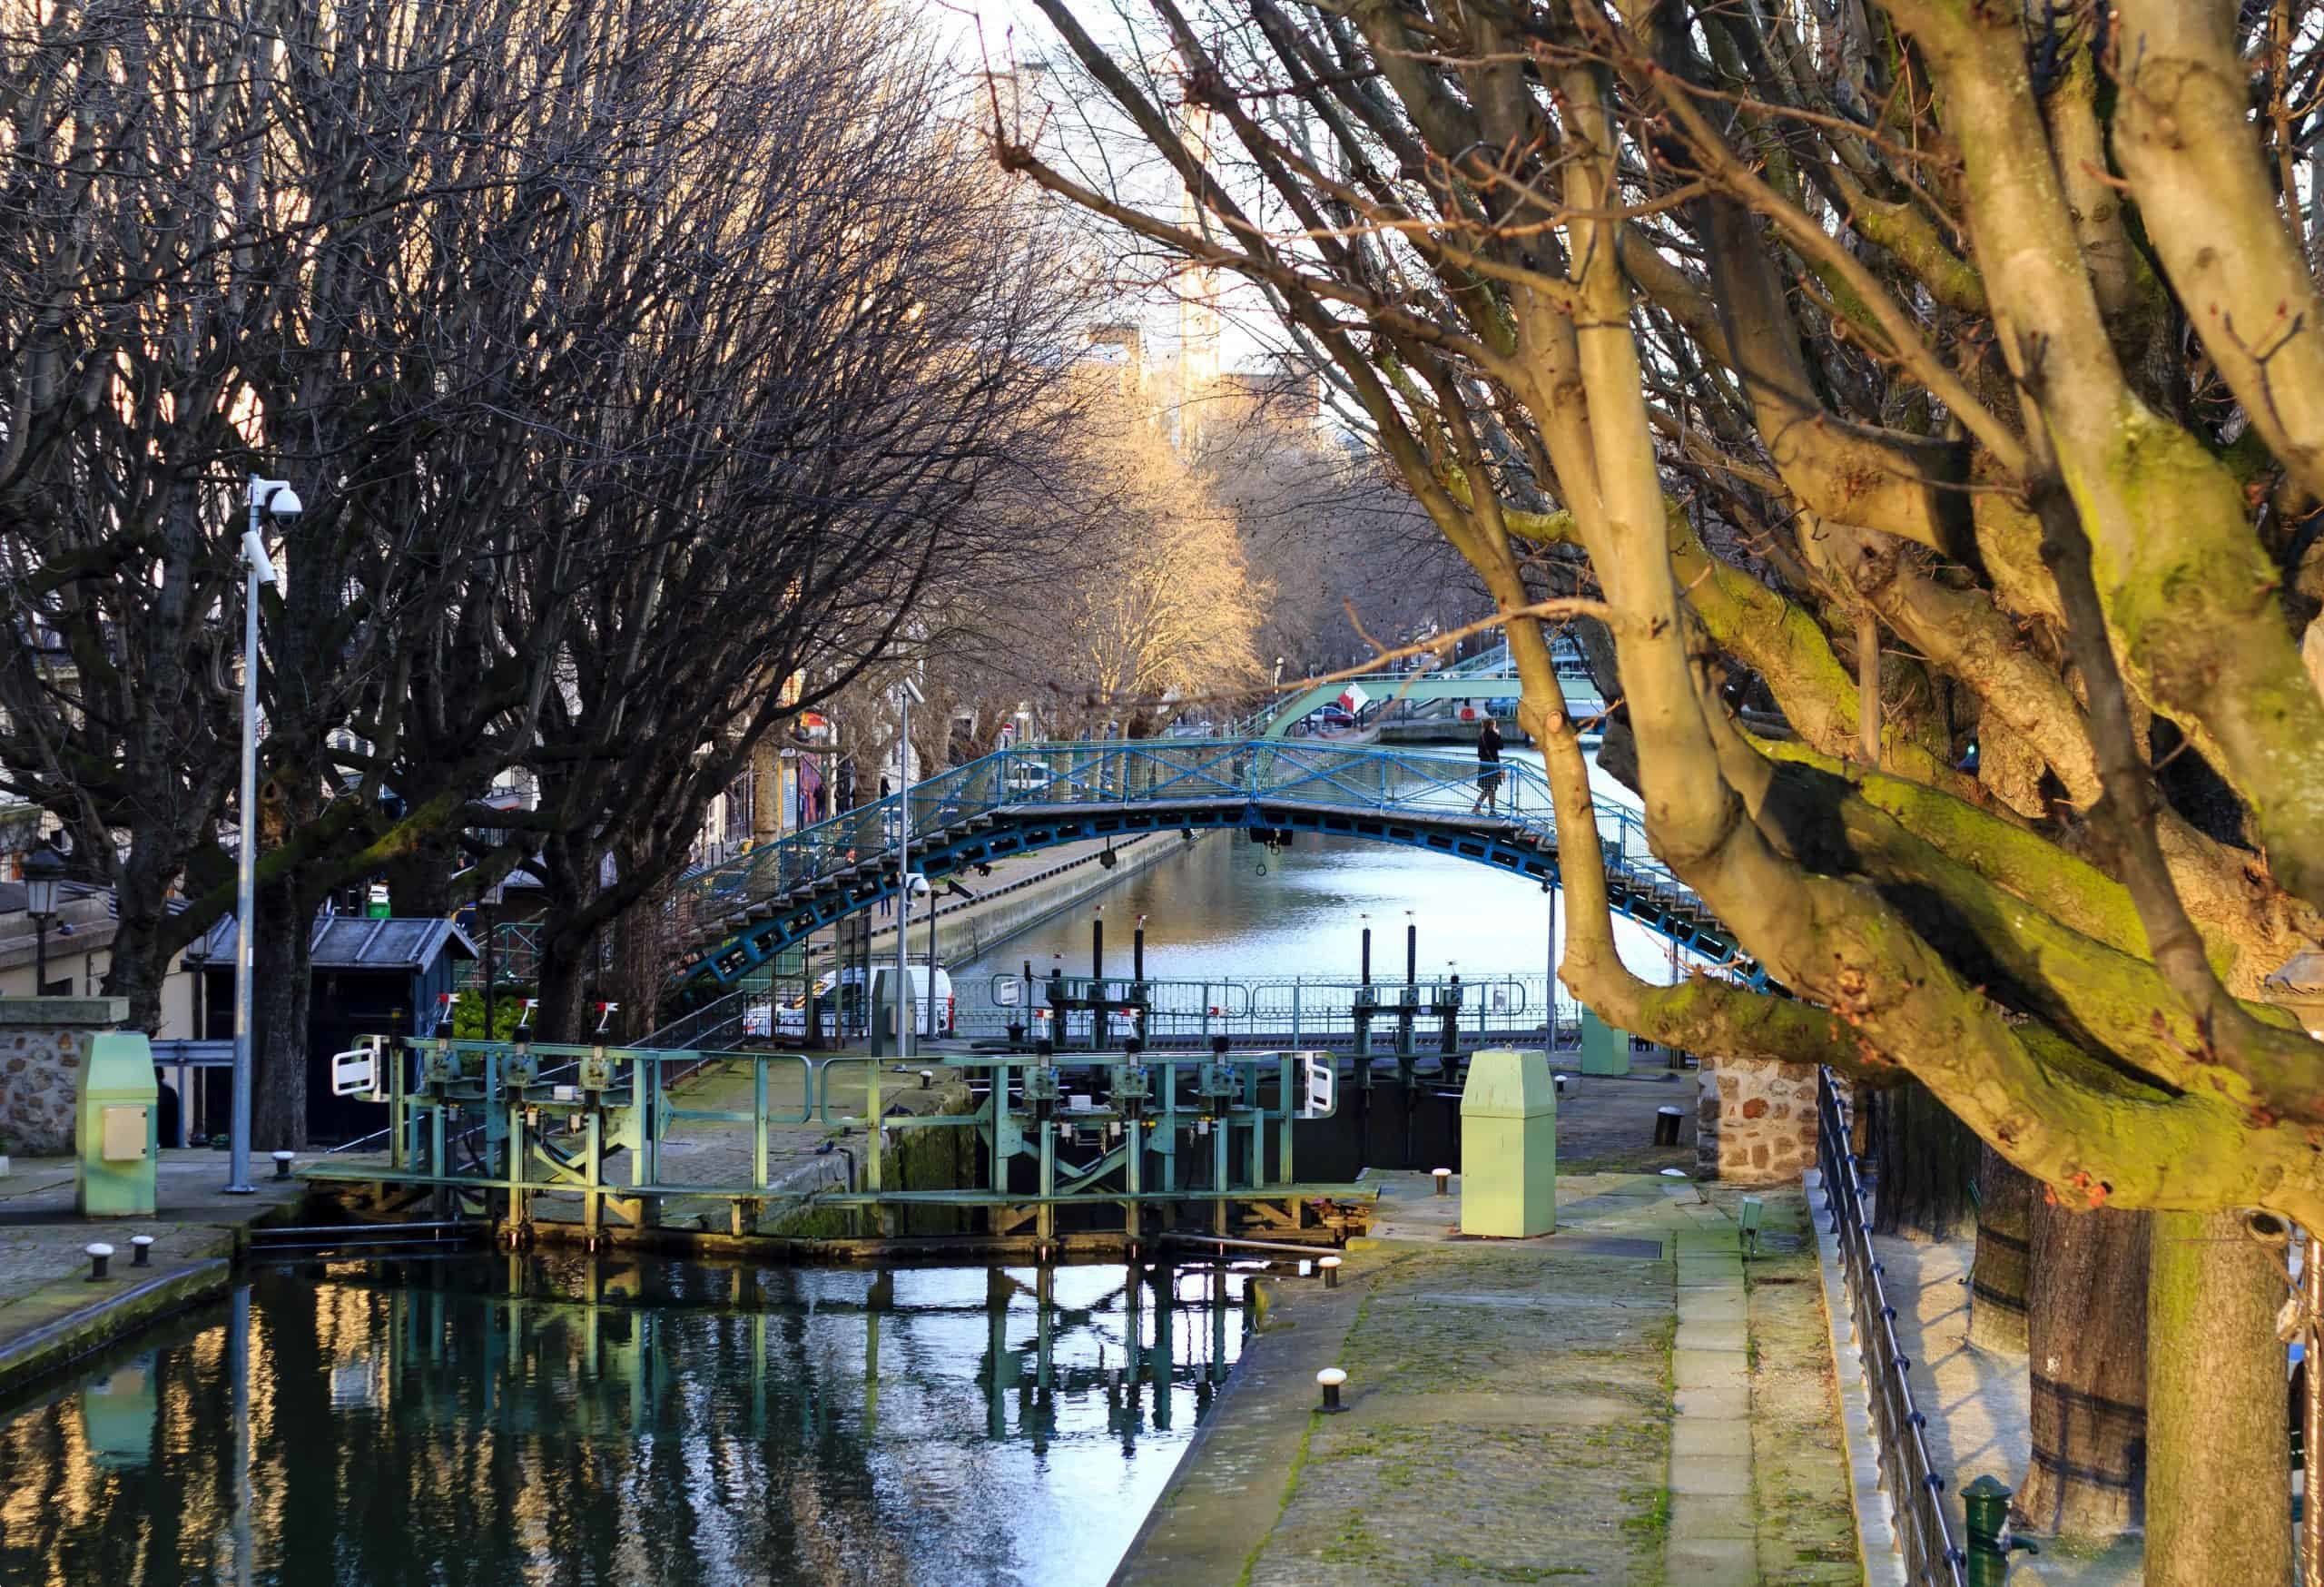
x=43, y=869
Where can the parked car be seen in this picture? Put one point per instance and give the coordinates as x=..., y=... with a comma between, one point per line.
x=1027, y=780
x=1334, y=715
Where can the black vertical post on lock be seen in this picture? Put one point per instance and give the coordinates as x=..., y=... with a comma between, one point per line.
x=1137, y=978
x=1097, y=997
x=1412, y=989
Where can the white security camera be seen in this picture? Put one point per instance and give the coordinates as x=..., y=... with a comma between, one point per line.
x=919, y=885
x=275, y=496
x=255, y=553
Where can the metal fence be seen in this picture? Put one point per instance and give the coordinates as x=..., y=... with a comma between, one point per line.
x=1916, y=1491
x=1173, y=773
x=1299, y=1009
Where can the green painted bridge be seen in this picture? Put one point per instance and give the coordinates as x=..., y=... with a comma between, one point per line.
x=1489, y=676
x=737, y=916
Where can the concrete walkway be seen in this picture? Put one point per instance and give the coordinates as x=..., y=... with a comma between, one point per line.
x=1978, y=1403
x=1714, y=1529
x=1587, y=1406
x=50, y=1310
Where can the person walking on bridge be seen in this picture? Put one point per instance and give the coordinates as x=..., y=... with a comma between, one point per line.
x=1488, y=768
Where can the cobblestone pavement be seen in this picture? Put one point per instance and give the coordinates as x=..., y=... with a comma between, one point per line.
x=1606, y=1123
x=43, y=1269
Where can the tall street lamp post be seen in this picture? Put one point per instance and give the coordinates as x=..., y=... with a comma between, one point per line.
x=275, y=497
x=43, y=869
x=906, y=694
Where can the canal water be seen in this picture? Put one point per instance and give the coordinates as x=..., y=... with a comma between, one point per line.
x=1226, y=908
x=558, y=1419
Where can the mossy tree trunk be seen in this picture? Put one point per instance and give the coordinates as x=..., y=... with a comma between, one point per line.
x=2218, y=1427
x=1927, y=1161
x=1998, y=1276
x=2086, y=1323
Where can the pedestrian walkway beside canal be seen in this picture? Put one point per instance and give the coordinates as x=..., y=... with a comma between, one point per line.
x=1622, y=1401
x=51, y=1311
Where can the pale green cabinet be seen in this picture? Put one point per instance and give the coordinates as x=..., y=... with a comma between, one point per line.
x=1604, y=1050
x=1509, y=1144
x=116, y=1127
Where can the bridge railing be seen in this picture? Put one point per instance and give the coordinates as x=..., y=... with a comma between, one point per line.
x=1294, y=1008
x=1159, y=771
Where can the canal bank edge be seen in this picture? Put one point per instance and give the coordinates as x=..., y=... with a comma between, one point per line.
x=967, y=931
x=46, y=1329
x=1220, y=1505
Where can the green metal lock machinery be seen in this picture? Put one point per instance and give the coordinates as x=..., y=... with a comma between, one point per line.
x=1509, y=1144
x=1604, y=1050
x=116, y=1131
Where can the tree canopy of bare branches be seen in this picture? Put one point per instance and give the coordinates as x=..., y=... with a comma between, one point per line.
x=1946, y=375
x=629, y=355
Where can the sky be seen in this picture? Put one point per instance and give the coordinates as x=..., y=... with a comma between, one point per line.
x=999, y=34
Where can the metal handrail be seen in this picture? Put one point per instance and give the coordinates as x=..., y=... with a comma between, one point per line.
x=1149, y=772
x=1916, y=1491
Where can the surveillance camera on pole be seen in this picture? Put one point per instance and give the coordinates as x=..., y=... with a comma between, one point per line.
x=265, y=497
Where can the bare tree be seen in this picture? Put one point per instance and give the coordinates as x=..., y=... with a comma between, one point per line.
x=1941, y=375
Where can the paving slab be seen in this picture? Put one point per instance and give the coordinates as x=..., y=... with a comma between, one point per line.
x=51, y=1312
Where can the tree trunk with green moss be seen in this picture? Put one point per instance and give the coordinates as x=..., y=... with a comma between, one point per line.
x=2218, y=1463
x=1998, y=1276
x=2086, y=1315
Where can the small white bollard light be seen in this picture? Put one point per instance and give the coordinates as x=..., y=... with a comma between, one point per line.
x=1443, y=1180
x=98, y=1255
x=140, y=1250
x=1329, y=1380
x=282, y=1161
x=927, y=1079
x=1330, y=1268
x=1560, y=1085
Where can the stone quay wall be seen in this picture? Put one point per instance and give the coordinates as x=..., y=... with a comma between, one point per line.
x=1755, y=1121
x=43, y=1044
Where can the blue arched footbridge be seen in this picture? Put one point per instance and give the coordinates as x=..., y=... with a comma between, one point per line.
x=1486, y=677
x=737, y=915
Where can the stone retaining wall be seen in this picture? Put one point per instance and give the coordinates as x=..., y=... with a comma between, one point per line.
x=43, y=1041
x=1755, y=1121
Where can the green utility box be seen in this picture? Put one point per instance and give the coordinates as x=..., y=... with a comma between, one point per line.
x=1509, y=1144
x=116, y=1131
x=1604, y=1050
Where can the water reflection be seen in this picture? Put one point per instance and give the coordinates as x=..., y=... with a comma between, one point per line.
x=556, y=1419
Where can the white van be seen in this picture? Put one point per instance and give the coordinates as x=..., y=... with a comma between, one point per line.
x=791, y=1015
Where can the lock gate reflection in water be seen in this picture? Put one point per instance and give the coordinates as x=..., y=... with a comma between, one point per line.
x=488, y=1420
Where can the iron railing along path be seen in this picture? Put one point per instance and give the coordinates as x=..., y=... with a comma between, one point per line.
x=739, y=913
x=1916, y=1490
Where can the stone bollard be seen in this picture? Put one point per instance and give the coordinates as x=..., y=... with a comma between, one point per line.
x=1329, y=1380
